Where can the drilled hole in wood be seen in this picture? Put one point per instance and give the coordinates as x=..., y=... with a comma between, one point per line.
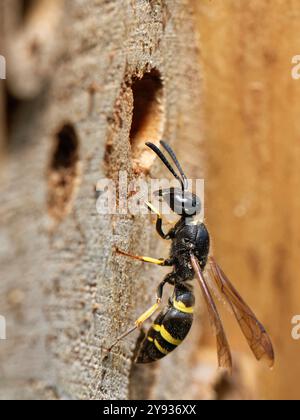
x=17, y=113
x=26, y=8
x=12, y=104
x=147, y=118
x=42, y=13
x=63, y=172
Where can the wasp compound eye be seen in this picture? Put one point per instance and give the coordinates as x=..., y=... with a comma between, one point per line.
x=181, y=202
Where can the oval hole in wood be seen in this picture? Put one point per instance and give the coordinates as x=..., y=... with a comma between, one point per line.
x=26, y=7
x=148, y=117
x=63, y=173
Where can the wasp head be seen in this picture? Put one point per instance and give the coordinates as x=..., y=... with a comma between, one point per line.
x=180, y=200
x=183, y=203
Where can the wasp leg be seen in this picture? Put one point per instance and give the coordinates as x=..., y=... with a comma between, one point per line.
x=146, y=315
x=159, y=222
x=161, y=261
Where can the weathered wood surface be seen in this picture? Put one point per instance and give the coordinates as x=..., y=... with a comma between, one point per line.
x=73, y=72
x=63, y=291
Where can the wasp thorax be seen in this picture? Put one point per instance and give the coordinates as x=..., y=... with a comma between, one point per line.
x=181, y=202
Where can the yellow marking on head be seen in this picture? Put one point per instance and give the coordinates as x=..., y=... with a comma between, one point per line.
x=180, y=306
x=153, y=260
x=167, y=336
x=156, y=327
x=160, y=348
x=150, y=339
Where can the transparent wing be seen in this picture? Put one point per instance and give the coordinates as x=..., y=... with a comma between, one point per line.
x=224, y=354
x=215, y=290
x=252, y=329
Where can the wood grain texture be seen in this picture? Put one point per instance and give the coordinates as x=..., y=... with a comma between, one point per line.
x=63, y=291
x=252, y=142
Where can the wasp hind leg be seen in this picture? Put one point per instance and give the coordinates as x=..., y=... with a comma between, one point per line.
x=146, y=315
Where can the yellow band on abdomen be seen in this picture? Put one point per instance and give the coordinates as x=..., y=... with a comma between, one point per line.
x=180, y=306
x=156, y=327
x=167, y=336
x=160, y=348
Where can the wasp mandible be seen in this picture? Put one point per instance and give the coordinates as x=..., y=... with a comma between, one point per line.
x=189, y=257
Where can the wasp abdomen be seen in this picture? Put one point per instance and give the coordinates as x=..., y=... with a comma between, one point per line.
x=169, y=328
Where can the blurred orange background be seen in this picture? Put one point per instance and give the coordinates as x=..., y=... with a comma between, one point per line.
x=252, y=140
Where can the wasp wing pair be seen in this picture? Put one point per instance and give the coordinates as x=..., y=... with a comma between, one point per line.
x=253, y=330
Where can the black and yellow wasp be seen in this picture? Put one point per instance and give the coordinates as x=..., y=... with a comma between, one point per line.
x=189, y=257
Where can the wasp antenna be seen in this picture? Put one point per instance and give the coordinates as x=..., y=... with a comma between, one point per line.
x=166, y=162
x=171, y=152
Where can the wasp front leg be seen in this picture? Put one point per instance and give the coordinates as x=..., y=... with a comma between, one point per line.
x=159, y=222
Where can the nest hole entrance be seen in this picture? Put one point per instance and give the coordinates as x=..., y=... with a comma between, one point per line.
x=35, y=12
x=148, y=117
x=63, y=172
x=26, y=7
x=12, y=104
